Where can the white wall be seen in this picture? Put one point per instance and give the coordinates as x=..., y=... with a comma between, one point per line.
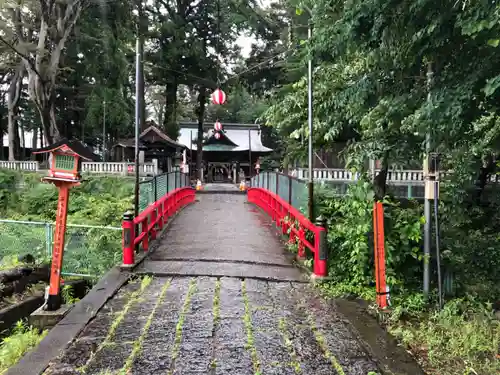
x=28, y=139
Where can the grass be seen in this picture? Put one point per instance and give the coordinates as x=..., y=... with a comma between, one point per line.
x=461, y=339
x=22, y=340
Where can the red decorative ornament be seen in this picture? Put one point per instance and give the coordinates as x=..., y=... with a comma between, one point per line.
x=217, y=135
x=218, y=97
x=217, y=126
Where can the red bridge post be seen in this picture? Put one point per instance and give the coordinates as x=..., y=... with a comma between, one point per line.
x=321, y=253
x=379, y=242
x=128, y=238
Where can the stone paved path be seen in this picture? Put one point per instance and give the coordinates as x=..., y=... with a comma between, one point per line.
x=192, y=319
x=206, y=325
x=222, y=235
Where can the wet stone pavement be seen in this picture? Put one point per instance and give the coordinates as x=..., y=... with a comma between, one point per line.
x=207, y=325
x=224, y=299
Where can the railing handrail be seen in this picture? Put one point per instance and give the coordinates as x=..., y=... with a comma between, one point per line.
x=281, y=212
x=152, y=219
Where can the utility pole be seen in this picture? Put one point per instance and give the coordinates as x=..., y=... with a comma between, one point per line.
x=104, y=131
x=137, y=120
x=429, y=191
x=310, y=183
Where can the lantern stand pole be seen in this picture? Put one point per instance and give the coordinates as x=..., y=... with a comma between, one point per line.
x=54, y=297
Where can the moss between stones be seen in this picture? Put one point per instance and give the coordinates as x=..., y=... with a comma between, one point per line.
x=322, y=344
x=247, y=318
x=138, y=343
x=134, y=297
x=216, y=319
x=180, y=323
x=289, y=346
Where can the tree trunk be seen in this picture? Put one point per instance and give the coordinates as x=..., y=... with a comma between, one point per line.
x=485, y=171
x=200, y=114
x=14, y=94
x=380, y=181
x=170, y=117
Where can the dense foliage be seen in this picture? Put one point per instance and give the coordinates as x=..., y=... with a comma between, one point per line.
x=386, y=74
x=96, y=207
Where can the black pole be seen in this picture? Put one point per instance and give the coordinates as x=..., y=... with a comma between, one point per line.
x=155, y=188
x=137, y=124
x=249, y=155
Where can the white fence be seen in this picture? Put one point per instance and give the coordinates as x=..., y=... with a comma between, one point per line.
x=89, y=167
x=331, y=174
x=20, y=165
x=119, y=168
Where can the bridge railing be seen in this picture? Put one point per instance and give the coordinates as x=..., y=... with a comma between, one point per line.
x=151, y=220
x=301, y=231
x=152, y=189
x=291, y=189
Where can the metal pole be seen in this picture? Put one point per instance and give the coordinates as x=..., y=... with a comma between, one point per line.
x=137, y=123
x=310, y=184
x=249, y=155
x=104, y=131
x=427, y=202
x=190, y=151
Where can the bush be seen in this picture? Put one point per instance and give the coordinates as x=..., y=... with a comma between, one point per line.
x=16, y=345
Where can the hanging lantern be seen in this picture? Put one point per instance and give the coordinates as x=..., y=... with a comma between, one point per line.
x=217, y=135
x=217, y=126
x=218, y=97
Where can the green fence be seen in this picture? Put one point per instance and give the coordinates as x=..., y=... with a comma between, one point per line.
x=290, y=189
x=153, y=189
x=90, y=251
x=294, y=190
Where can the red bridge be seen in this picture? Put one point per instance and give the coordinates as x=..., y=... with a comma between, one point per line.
x=225, y=297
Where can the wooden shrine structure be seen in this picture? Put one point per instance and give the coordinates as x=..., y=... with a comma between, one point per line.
x=228, y=157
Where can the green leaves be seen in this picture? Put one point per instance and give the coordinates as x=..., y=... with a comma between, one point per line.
x=493, y=42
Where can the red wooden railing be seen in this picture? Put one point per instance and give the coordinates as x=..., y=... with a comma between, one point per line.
x=293, y=222
x=152, y=220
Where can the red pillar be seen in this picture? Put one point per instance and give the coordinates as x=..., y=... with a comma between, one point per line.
x=379, y=246
x=54, y=298
x=128, y=238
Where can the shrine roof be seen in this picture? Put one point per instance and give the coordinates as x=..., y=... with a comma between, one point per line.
x=235, y=133
x=76, y=146
x=160, y=135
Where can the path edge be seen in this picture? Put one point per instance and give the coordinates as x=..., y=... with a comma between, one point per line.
x=36, y=361
x=58, y=339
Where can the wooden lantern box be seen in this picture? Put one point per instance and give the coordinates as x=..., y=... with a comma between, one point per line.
x=66, y=159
